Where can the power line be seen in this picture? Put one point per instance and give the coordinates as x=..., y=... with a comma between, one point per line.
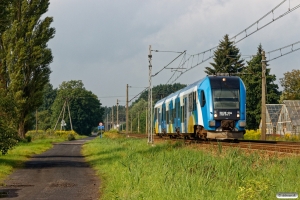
x=169, y=63
x=234, y=37
x=283, y=54
x=138, y=94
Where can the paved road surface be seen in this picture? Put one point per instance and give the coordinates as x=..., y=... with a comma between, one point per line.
x=59, y=173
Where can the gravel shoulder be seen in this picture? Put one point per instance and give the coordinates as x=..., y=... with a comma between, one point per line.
x=59, y=173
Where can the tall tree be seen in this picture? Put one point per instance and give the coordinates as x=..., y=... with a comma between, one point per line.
x=291, y=85
x=227, y=59
x=252, y=80
x=25, y=66
x=8, y=128
x=44, y=112
x=161, y=91
x=85, y=108
x=137, y=116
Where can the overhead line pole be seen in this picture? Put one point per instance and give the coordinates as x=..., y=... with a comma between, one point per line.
x=118, y=114
x=263, y=97
x=112, y=117
x=127, y=109
x=150, y=135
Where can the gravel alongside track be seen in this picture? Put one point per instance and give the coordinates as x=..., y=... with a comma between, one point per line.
x=59, y=173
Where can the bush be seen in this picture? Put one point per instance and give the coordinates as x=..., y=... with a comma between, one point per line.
x=71, y=137
x=113, y=133
x=252, y=135
x=28, y=138
x=41, y=134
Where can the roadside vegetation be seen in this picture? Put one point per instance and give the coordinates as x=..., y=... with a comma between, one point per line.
x=35, y=142
x=131, y=169
x=256, y=135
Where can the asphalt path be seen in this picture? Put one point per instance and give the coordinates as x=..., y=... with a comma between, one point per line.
x=59, y=173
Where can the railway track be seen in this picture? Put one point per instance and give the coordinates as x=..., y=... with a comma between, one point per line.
x=272, y=146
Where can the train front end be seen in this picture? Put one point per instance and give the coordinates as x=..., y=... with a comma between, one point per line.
x=226, y=108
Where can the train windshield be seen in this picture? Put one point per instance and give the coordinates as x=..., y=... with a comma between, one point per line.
x=226, y=98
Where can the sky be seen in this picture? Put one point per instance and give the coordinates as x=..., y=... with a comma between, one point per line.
x=105, y=43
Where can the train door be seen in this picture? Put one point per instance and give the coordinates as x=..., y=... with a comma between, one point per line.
x=178, y=115
x=163, y=119
x=185, y=114
x=158, y=120
x=170, y=121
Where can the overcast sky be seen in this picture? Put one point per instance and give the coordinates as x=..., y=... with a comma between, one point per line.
x=105, y=43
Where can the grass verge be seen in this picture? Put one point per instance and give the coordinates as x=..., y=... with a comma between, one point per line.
x=131, y=169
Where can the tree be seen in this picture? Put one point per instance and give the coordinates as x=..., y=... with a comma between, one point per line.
x=252, y=80
x=8, y=133
x=44, y=111
x=161, y=91
x=226, y=59
x=291, y=85
x=25, y=57
x=138, y=114
x=84, y=106
x=8, y=129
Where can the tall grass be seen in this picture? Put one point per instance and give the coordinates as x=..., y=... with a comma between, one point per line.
x=131, y=169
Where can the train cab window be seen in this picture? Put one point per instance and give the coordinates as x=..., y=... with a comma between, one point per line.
x=226, y=98
x=202, y=98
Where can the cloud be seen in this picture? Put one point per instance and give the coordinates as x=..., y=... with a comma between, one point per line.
x=105, y=43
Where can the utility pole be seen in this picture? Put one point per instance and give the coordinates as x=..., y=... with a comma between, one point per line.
x=150, y=135
x=69, y=115
x=127, y=109
x=36, y=120
x=138, y=122
x=106, y=122
x=146, y=122
x=112, y=117
x=263, y=97
x=118, y=114
x=131, y=123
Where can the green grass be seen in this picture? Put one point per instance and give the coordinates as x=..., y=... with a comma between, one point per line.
x=132, y=169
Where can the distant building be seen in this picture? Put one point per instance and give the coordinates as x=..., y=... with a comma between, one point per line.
x=283, y=118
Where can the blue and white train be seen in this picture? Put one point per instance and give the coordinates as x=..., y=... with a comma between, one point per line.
x=213, y=107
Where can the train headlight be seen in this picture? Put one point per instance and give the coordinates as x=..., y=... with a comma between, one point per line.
x=212, y=123
x=215, y=115
x=238, y=114
x=242, y=123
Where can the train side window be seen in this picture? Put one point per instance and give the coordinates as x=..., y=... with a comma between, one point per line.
x=159, y=115
x=190, y=102
x=202, y=99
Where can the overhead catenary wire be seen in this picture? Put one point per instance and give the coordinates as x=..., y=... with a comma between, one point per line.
x=283, y=54
x=169, y=63
x=244, y=31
